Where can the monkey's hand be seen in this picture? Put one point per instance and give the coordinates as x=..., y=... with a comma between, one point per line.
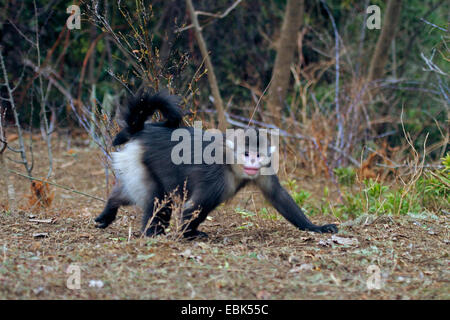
x=103, y=221
x=328, y=228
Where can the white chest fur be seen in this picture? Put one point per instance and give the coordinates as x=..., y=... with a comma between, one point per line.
x=132, y=174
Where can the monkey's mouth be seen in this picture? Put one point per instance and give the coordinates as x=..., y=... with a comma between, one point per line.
x=251, y=171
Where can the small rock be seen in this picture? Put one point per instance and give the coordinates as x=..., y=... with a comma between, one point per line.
x=293, y=259
x=186, y=253
x=96, y=283
x=303, y=267
x=345, y=241
x=40, y=235
x=38, y=290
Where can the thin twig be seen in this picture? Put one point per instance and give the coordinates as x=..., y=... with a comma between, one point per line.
x=56, y=185
x=215, y=15
x=340, y=136
x=432, y=24
x=15, y=113
x=43, y=97
x=259, y=101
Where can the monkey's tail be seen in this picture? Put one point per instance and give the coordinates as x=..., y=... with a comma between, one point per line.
x=143, y=106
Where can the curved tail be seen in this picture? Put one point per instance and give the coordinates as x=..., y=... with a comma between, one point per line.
x=144, y=106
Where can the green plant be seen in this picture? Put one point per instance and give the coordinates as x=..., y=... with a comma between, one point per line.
x=446, y=163
x=379, y=199
x=299, y=196
x=434, y=187
x=345, y=175
x=265, y=214
x=244, y=213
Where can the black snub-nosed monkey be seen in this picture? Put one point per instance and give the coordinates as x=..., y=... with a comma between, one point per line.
x=145, y=171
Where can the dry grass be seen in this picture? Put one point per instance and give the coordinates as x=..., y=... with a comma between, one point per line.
x=267, y=260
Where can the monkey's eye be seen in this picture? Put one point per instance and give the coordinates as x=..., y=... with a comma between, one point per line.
x=257, y=155
x=246, y=153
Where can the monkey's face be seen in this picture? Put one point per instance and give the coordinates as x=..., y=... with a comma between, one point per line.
x=252, y=161
x=249, y=161
x=252, y=152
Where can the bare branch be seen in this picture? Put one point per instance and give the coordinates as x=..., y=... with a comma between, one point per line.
x=15, y=113
x=209, y=14
x=211, y=76
x=21, y=33
x=432, y=24
x=43, y=97
x=217, y=15
x=340, y=135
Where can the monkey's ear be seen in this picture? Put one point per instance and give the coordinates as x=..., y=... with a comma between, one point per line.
x=230, y=144
x=272, y=149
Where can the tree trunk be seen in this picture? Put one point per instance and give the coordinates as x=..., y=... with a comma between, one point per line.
x=218, y=103
x=388, y=29
x=293, y=19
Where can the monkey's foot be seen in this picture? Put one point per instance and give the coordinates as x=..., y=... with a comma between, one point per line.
x=328, y=228
x=154, y=230
x=104, y=220
x=195, y=235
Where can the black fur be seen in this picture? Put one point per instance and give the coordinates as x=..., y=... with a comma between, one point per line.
x=143, y=106
x=207, y=185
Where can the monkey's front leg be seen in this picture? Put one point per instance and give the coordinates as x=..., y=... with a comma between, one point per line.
x=285, y=205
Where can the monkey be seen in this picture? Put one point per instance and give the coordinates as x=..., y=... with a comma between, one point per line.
x=143, y=106
x=146, y=170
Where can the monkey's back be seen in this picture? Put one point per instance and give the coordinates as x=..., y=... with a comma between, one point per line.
x=152, y=148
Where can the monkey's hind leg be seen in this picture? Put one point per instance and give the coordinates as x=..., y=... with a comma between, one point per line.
x=191, y=220
x=158, y=223
x=116, y=199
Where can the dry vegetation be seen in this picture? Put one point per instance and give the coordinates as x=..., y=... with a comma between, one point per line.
x=264, y=259
x=364, y=130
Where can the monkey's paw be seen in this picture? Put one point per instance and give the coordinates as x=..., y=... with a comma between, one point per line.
x=328, y=228
x=154, y=230
x=195, y=235
x=103, y=221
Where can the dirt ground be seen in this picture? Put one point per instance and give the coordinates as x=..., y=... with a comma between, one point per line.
x=245, y=257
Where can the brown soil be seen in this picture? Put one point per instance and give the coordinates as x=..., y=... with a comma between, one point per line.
x=267, y=259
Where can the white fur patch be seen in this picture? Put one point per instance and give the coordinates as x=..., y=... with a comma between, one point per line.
x=127, y=164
